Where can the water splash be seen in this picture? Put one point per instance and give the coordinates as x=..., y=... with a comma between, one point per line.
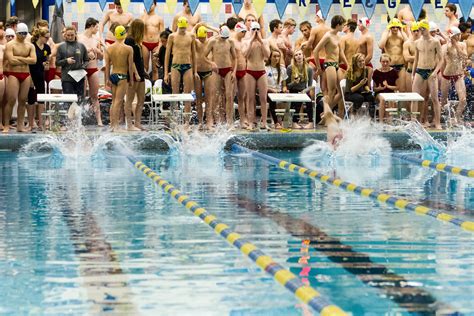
x=362, y=146
x=460, y=148
x=422, y=138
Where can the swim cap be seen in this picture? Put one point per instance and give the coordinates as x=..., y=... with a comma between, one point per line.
x=415, y=26
x=202, y=32
x=453, y=31
x=319, y=14
x=120, y=32
x=9, y=32
x=433, y=26
x=240, y=27
x=182, y=22
x=225, y=32
x=424, y=24
x=364, y=21
x=254, y=26
x=21, y=28
x=395, y=23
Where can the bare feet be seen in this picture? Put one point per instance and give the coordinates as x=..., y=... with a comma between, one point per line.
x=5, y=130
x=23, y=130
x=278, y=126
x=310, y=125
x=133, y=129
x=296, y=125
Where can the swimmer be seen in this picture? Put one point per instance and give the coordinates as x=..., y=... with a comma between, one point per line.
x=248, y=9
x=3, y=41
x=95, y=53
x=392, y=43
x=241, y=73
x=275, y=40
x=315, y=37
x=426, y=65
x=470, y=46
x=289, y=27
x=19, y=55
x=305, y=29
x=450, y=12
x=119, y=58
x=366, y=44
x=114, y=16
x=225, y=62
x=409, y=53
x=191, y=19
x=454, y=56
x=182, y=46
x=330, y=43
x=349, y=45
x=331, y=121
x=256, y=50
x=2, y=84
x=154, y=25
x=205, y=76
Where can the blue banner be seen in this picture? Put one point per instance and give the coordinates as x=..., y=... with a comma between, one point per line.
x=416, y=6
x=281, y=7
x=59, y=3
x=369, y=7
x=237, y=4
x=466, y=7
x=148, y=4
x=325, y=6
x=193, y=5
x=102, y=4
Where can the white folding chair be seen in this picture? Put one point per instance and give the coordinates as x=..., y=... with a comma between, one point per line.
x=347, y=104
x=54, y=84
x=149, y=94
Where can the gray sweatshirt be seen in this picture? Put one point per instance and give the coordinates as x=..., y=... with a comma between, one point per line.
x=71, y=49
x=299, y=86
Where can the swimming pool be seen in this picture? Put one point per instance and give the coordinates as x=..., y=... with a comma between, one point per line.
x=89, y=235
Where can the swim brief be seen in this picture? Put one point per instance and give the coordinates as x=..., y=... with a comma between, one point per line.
x=182, y=68
x=116, y=78
x=424, y=73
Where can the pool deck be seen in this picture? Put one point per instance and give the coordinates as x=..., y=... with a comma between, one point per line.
x=275, y=139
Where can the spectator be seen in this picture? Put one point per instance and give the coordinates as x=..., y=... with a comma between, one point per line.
x=385, y=81
x=276, y=81
x=357, y=88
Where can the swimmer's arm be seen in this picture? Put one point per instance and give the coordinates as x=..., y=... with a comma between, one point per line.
x=102, y=24
x=193, y=55
x=438, y=60
x=267, y=51
x=404, y=36
x=85, y=56
x=262, y=26
x=99, y=52
x=14, y=61
x=318, y=47
x=406, y=53
x=342, y=55
x=310, y=41
x=169, y=47
x=174, y=26
x=107, y=67
x=370, y=49
x=415, y=61
x=234, y=56
x=462, y=50
x=383, y=40
x=246, y=48
x=131, y=65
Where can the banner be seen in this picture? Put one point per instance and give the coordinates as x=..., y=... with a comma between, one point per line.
x=416, y=6
x=125, y=4
x=392, y=6
x=59, y=3
x=80, y=6
x=147, y=4
x=346, y=7
x=171, y=5
x=215, y=6
x=369, y=7
x=237, y=4
x=438, y=6
x=35, y=3
x=303, y=6
x=259, y=5
x=102, y=4
x=324, y=6
x=281, y=7
x=193, y=5
x=466, y=7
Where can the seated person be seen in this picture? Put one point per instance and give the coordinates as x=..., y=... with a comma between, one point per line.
x=385, y=81
x=331, y=121
x=357, y=88
x=300, y=79
x=276, y=81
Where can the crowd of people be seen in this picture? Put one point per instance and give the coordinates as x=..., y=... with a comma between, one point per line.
x=236, y=62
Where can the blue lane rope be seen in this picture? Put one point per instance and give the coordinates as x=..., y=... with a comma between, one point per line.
x=304, y=292
x=366, y=192
x=436, y=166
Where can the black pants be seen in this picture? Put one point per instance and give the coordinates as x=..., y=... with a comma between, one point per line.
x=272, y=105
x=297, y=107
x=71, y=87
x=359, y=98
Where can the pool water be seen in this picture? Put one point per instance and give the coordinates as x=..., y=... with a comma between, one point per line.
x=91, y=235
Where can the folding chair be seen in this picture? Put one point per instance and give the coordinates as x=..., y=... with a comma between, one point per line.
x=347, y=104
